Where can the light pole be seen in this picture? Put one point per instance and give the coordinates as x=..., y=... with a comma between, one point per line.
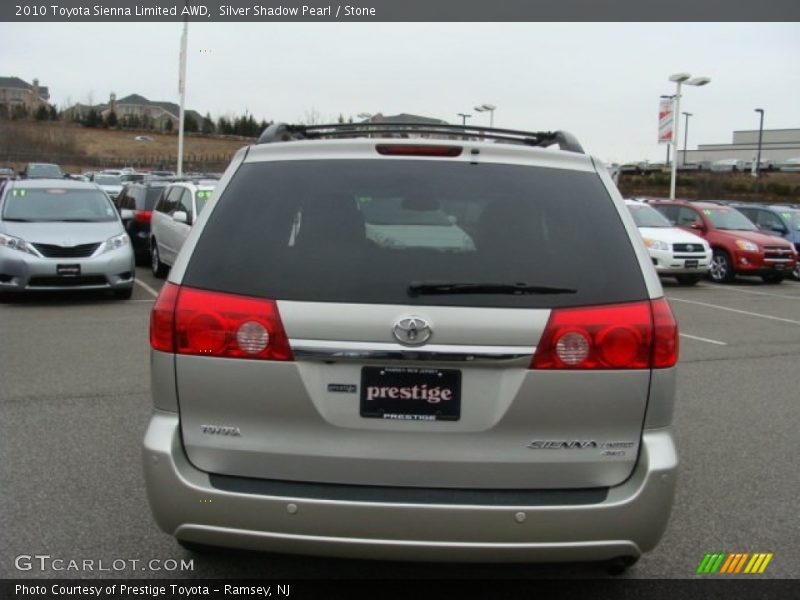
x=760, y=111
x=464, y=118
x=182, y=92
x=487, y=108
x=686, y=136
x=680, y=78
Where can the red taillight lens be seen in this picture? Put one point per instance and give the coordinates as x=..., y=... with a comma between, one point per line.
x=640, y=335
x=162, y=319
x=413, y=150
x=665, y=347
x=142, y=216
x=226, y=325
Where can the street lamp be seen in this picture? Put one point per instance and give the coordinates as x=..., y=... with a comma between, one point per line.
x=679, y=79
x=760, y=111
x=464, y=118
x=686, y=136
x=182, y=93
x=487, y=108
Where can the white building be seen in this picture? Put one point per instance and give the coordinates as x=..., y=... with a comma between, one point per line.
x=776, y=145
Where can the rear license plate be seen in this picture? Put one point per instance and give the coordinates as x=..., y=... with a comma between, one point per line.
x=68, y=270
x=411, y=394
x=691, y=264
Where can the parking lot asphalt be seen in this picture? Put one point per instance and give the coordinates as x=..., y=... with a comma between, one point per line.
x=74, y=404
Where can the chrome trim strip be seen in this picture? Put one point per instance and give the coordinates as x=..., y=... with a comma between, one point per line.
x=335, y=351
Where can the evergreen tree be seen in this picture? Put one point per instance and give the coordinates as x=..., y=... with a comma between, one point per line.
x=189, y=123
x=208, y=125
x=41, y=114
x=111, y=119
x=92, y=119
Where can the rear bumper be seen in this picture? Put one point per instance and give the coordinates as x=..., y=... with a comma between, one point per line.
x=629, y=521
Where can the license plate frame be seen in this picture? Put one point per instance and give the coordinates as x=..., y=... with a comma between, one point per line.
x=388, y=393
x=691, y=263
x=68, y=270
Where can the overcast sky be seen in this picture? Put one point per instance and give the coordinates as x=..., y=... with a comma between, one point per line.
x=601, y=81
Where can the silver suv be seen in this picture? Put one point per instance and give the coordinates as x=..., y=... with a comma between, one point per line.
x=380, y=343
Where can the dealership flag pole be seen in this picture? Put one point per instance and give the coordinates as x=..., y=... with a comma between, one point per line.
x=182, y=91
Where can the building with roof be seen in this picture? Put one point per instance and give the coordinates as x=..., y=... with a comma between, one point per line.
x=405, y=118
x=777, y=145
x=15, y=92
x=137, y=111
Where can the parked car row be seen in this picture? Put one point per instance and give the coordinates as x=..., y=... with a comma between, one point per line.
x=59, y=234
x=87, y=232
x=737, y=244
x=674, y=251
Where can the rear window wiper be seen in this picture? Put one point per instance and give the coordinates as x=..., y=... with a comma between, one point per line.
x=443, y=287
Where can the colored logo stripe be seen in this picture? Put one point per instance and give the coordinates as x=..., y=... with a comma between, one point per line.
x=734, y=563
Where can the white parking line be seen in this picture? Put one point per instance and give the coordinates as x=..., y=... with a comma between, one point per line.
x=147, y=287
x=736, y=310
x=743, y=291
x=702, y=339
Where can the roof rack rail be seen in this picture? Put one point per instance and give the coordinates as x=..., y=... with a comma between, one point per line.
x=283, y=132
x=720, y=202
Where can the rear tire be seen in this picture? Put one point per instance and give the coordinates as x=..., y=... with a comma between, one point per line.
x=773, y=278
x=688, y=279
x=159, y=268
x=721, y=267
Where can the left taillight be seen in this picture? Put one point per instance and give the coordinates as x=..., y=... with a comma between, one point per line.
x=207, y=323
x=162, y=319
x=638, y=335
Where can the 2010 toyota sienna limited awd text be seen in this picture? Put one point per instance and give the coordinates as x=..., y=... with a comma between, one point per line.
x=324, y=387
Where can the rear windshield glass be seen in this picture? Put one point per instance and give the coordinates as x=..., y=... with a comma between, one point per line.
x=58, y=204
x=44, y=171
x=363, y=231
x=107, y=180
x=647, y=216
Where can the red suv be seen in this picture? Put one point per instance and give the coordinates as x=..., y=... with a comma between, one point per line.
x=737, y=245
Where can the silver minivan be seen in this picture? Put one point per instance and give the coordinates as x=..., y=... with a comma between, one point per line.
x=319, y=389
x=173, y=215
x=59, y=234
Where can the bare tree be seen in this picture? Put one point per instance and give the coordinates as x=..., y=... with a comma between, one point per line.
x=312, y=117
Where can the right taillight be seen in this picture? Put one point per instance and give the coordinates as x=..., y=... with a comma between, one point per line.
x=638, y=335
x=190, y=321
x=665, y=329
